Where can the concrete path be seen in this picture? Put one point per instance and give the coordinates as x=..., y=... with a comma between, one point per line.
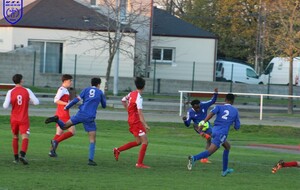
x=164, y=116
x=165, y=111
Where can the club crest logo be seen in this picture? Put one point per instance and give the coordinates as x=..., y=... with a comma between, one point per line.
x=12, y=10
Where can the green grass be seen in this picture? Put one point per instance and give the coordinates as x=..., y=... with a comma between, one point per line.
x=170, y=144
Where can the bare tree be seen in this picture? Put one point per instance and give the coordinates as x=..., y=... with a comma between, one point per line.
x=126, y=26
x=175, y=7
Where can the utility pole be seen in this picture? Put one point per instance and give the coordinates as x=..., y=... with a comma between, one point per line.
x=259, y=50
x=258, y=39
x=117, y=55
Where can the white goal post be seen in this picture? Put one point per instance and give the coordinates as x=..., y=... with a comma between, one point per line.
x=184, y=92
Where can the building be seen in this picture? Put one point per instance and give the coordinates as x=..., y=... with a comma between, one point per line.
x=71, y=37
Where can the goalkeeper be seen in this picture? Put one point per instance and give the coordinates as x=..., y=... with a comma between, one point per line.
x=197, y=113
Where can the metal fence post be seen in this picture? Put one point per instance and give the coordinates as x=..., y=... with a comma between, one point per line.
x=75, y=68
x=231, y=78
x=154, y=75
x=34, y=63
x=193, y=78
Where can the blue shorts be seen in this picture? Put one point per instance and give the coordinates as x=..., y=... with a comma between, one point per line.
x=218, y=139
x=88, y=122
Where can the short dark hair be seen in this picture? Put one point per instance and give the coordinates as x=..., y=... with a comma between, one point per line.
x=139, y=83
x=17, y=78
x=66, y=77
x=230, y=97
x=194, y=102
x=95, y=81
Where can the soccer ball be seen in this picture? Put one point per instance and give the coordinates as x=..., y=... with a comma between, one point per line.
x=205, y=125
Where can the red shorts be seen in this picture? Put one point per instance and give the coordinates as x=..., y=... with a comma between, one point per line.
x=22, y=127
x=137, y=129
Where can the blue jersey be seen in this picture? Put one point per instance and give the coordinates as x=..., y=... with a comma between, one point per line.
x=91, y=97
x=196, y=117
x=226, y=115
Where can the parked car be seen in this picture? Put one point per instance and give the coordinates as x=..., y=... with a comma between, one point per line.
x=277, y=71
x=236, y=72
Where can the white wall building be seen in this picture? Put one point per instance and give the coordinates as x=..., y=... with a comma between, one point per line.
x=61, y=29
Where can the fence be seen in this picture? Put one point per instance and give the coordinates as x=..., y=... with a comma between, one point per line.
x=27, y=62
x=277, y=102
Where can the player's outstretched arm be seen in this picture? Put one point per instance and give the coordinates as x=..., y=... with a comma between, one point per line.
x=187, y=119
x=33, y=98
x=7, y=100
x=72, y=103
x=237, y=123
x=103, y=101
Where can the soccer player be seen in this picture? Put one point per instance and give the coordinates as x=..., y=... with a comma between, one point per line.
x=226, y=115
x=282, y=164
x=133, y=103
x=197, y=113
x=91, y=97
x=62, y=98
x=19, y=98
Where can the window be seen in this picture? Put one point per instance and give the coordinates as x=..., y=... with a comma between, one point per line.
x=163, y=55
x=219, y=69
x=50, y=55
x=269, y=69
x=251, y=73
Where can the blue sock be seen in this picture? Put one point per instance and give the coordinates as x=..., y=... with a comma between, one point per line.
x=225, y=159
x=61, y=124
x=203, y=154
x=92, y=151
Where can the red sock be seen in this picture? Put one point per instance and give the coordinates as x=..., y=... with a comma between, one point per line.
x=15, y=145
x=142, y=153
x=64, y=136
x=290, y=164
x=56, y=136
x=128, y=146
x=204, y=135
x=25, y=145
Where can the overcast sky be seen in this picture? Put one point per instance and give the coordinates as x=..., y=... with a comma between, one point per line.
x=26, y=2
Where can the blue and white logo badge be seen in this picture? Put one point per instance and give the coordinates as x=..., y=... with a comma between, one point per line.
x=12, y=10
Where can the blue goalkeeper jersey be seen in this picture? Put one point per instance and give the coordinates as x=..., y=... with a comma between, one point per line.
x=91, y=98
x=196, y=117
x=226, y=115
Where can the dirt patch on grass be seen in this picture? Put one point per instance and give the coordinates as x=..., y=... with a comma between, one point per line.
x=276, y=147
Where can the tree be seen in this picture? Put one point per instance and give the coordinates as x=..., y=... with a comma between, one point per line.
x=175, y=7
x=127, y=27
x=233, y=21
x=283, y=35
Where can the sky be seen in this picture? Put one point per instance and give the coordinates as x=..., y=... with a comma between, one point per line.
x=26, y=2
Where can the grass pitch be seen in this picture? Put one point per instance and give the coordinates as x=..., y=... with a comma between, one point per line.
x=169, y=146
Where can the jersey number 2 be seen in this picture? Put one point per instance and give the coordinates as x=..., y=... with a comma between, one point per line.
x=225, y=115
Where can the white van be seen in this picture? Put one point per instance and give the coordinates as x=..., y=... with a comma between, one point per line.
x=278, y=71
x=236, y=72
